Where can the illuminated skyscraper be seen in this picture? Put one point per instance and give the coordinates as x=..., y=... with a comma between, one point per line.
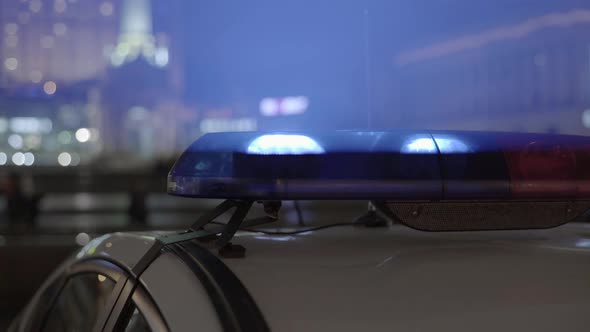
x=136, y=37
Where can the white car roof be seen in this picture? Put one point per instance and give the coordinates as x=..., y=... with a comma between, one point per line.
x=395, y=278
x=399, y=279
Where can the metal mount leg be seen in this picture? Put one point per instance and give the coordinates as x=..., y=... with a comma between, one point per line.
x=371, y=218
x=226, y=233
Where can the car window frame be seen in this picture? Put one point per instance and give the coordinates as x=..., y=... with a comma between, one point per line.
x=37, y=312
x=225, y=291
x=135, y=296
x=148, y=308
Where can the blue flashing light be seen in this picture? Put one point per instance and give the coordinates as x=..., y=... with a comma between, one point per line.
x=284, y=144
x=380, y=165
x=420, y=145
x=451, y=145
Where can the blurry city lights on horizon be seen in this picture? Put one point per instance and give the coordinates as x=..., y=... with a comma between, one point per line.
x=64, y=159
x=11, y=64
x=214, y=125
x=3, y=158
x=30, y=125
x=29, y=159
x=50, y=87
x=284, y=106
x=83, y=135
x=18, y=159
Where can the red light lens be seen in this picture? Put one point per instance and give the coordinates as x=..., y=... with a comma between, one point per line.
x=543, y=168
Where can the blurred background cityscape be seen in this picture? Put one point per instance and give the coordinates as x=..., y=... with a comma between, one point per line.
x=98, y=97
x=126, y=84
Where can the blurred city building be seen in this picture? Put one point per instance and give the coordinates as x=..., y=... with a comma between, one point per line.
x=529, y=75
x=125, y=83
x=81, y=80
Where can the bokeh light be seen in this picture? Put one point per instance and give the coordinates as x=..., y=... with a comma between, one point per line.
x=64, y=159
x=83, y=135
x=18, y=159
x=50, y=87
x=11, y=64
x=106, y=8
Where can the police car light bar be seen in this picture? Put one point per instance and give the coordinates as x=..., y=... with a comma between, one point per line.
x=417, y=177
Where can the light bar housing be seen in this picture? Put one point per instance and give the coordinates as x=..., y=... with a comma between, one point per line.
x=399, y=165
x=427, y=180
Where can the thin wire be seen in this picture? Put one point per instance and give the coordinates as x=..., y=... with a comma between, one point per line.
x=300, y=231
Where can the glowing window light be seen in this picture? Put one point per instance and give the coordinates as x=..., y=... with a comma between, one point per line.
x=18, y=159
x=3, y=158
x=29, y=159
x=50, y=87
x=11, y=64
x=64, y=159
x=161, y=57
x=83, y=135
x=284, y=144
x=30, y=125
x=420, y=145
